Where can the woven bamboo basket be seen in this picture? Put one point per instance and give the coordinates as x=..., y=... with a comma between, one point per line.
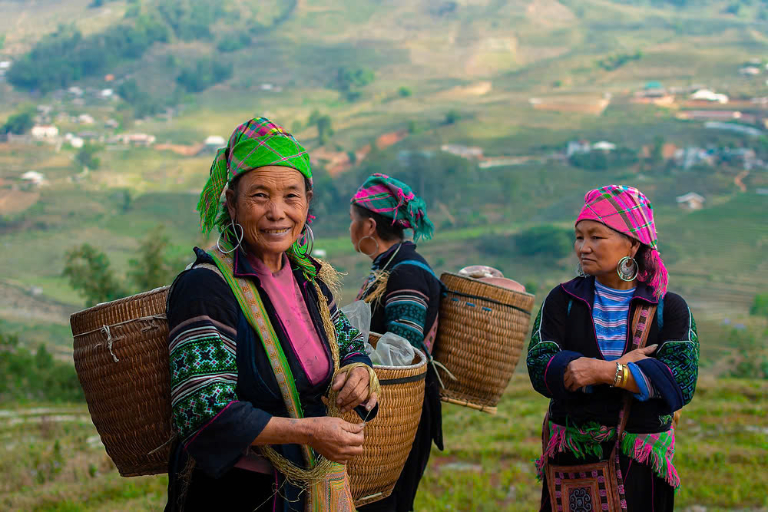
x=389, y=436
x=121, y=358
x=481, y=334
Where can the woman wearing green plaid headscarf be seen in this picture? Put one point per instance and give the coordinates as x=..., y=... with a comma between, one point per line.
x=404, y=294
x=256, y=341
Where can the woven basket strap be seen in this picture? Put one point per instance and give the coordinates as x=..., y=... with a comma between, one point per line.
x=248, y=298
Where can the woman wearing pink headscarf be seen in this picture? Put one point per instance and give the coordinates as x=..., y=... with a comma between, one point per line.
x=617, y=355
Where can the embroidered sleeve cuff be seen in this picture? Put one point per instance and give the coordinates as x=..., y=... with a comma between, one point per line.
x=555, y=371
x=645, y=386
x=218, y=445
x=665, y=387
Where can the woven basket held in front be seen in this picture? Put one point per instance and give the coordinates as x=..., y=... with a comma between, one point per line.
x=389, y=436
x=481, y=334
x=121, y=358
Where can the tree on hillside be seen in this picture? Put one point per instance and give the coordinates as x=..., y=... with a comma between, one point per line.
x=19, y=124
x=324, y=128
x=545, y=241
x=89, y=272
x=233, y=41
x=204, y=74
x=760, y=305
x=142, y=102
x=349, y=80
x=86, y=156
x=153, y=268
x=27, y=376
x=65, y=56
x=452, y=117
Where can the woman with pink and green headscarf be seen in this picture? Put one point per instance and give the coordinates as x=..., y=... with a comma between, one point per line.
x=404, y=294
x=617, y=355
x=256, y=342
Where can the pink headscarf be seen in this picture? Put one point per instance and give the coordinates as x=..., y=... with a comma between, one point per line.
x=628, y=211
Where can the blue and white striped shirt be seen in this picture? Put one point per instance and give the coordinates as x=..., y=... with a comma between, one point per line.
x=610, y=312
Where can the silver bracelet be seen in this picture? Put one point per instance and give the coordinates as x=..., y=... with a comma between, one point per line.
x=617, y=376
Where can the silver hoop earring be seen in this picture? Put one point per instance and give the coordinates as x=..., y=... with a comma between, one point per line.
x=306, y=241
x=360, y=242
x=234, y=232
x=580, y=271
x=627, y=268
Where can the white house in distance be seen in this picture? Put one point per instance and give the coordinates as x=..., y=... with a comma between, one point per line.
x=468, y=152
x=33, y=177
x=215, y=141
x=577, y=146
x=708, y=95
x=691, y=201
x=603, y=146
x=44, y=132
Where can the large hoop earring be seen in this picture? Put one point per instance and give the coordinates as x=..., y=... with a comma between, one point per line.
x=306, y=241
x=627, y=268
x=234, y=232
x=360, y=242
x=580, y=271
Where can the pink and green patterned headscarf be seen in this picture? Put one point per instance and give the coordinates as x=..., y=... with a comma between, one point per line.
x=253, y=144
x=628, y=211
x=395, y=200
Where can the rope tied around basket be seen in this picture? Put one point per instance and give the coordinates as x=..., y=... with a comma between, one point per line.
x=305, y=478
x=106, y=329
x=437, y=364
x=298, y=476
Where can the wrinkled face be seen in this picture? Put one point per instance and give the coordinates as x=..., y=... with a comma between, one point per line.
x=360, y=227
x=599, y=248
x=272, y=204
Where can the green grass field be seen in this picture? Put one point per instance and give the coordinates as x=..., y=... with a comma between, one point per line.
x=53, y=461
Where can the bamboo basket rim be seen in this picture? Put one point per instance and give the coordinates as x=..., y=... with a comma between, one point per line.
x=102, y=305
x=467, y=278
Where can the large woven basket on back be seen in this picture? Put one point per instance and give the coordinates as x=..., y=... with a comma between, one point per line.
x=121, y=358
x=481, y=335
x=389, y=436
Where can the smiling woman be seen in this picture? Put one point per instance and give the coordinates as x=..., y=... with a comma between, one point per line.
x=256, y=341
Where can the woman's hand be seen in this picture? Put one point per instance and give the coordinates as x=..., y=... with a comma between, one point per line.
x=638, y=354
x=336, y=439
x=586, y=371
x=354, y=388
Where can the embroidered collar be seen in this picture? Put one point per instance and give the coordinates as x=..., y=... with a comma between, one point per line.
x=584, y=289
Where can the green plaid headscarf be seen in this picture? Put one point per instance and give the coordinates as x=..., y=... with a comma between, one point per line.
x=256, y=143
x=394, y=199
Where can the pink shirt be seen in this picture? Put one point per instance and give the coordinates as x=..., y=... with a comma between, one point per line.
x=284, y=292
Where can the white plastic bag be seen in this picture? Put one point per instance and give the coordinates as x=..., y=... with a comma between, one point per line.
x=393, y=350
x=359, y=315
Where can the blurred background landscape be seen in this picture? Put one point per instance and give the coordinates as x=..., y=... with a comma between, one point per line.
x=500, y=113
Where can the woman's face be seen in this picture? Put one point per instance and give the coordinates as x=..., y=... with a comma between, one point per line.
x=359, y=228
x=599, y=248
x=272, y=204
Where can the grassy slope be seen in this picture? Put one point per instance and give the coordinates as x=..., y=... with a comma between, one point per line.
x=487, y=464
